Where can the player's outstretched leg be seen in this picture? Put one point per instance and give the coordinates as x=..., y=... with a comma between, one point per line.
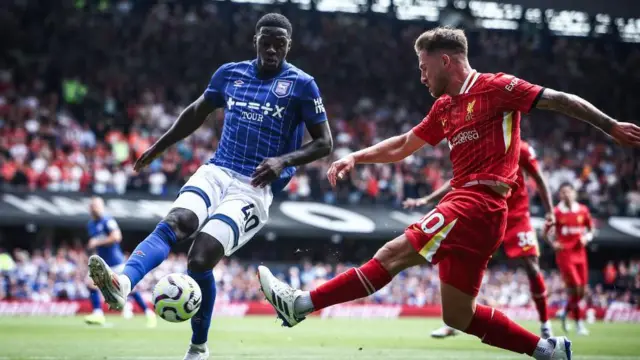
x=97, y=316
x=293, y=305
x=151, y=316
x=496, y=329
x=538, y=294
x=176, y=226
x=205, y=253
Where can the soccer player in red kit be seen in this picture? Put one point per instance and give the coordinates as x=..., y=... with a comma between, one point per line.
x=573, y=231
x=479, y=115
x=520, y=241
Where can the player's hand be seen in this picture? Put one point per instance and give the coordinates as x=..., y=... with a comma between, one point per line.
x=92, y=244
x=626, y=134
x=340, y=168
x=549, y=221
x=268, y=171
x=412, y=203
x=147, y=158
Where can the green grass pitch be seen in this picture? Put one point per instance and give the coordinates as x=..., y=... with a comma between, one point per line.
x=32, y=338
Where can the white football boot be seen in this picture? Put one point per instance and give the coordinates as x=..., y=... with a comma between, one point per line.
x=562, y=349
x=197, y=352
x=281, y=296
x=444, y=332
x=114, y=287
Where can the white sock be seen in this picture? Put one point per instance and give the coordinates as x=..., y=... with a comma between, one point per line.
x=150, y=313
x=125, y=283
x=546, y=324
x=544, y=350
x=580, y=324
x=302, y=304
x=98, y=312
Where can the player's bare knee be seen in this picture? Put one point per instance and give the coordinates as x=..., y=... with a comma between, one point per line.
x=205, y=253
x=531, y=267
x=397, y=255
x=184, y=222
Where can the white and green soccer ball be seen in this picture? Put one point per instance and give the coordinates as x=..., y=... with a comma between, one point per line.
x=176, y=297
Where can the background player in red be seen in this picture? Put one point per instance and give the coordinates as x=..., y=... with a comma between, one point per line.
x=479, y=115
x=520, y=241
x=573, y=231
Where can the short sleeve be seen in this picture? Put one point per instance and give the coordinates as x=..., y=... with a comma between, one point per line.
x=214, y=93
x=313, y=111
x=111, y=225
x=430, y=129
x=516, y=94
x=528, y=160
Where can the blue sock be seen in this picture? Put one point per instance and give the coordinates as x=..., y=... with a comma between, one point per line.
x=150, y=253
x=138, y=299
x=201, y=321
x=94, y=295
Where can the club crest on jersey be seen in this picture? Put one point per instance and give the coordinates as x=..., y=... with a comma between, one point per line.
x=470, y=110
x=580, y=218
x=282, y=88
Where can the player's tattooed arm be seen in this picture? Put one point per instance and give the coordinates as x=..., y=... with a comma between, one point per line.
x=576, y=107
x=188, y=121
x=320, y=146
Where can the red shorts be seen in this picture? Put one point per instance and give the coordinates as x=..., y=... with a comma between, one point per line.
x=574, y=267
x=520, y=239
x=461, y=234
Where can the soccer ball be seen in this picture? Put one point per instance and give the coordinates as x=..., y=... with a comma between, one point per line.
x=176, y=297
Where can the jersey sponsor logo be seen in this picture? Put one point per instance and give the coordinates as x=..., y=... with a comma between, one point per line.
x=470, y=110
x=259, y=111
x=572, y=230
x=512, y=84
x=319, y=105
x=282, y=88
x=464, y=137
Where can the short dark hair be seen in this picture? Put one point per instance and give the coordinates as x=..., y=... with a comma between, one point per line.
x=275, y=20
x=567, y=184
x=442, y=38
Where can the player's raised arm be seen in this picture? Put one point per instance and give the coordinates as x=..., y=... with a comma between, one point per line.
x=387, y=151
x=191, y=118
x=625, y=134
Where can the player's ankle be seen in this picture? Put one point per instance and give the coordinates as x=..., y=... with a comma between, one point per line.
x=302, y=304
x=544, y=350
x=125, y=283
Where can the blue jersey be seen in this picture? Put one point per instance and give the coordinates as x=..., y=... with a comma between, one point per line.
x=101, y=228
x=264, y=117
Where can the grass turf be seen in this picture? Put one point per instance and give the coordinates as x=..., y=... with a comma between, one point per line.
x=47, y=338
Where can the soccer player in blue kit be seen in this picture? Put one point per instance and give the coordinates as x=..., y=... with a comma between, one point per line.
x=268, y=103
x=104, y=239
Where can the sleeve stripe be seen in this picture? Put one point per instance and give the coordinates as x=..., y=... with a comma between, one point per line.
x=536, y=99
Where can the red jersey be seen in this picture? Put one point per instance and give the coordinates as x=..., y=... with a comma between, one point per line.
x=518, y=203
x=571, y=224
x=482, y=126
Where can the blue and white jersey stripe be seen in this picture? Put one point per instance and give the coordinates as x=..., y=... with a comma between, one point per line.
x=264, y=117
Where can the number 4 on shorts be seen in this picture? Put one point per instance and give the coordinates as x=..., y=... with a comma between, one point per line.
x=250, y=220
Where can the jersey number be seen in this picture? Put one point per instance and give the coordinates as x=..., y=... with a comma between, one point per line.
x=250, y=220
x=526, y=239
x=432, y=222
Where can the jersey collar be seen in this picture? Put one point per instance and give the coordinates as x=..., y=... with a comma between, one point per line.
x=565, y=209
x=469, y=82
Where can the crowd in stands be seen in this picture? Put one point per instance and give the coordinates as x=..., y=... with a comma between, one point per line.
x=47, y=275
x=84, y=91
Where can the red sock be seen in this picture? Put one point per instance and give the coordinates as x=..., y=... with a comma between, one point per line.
x=352, y=284
x=496, y=329
x=573, y=307
x=539, y=295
